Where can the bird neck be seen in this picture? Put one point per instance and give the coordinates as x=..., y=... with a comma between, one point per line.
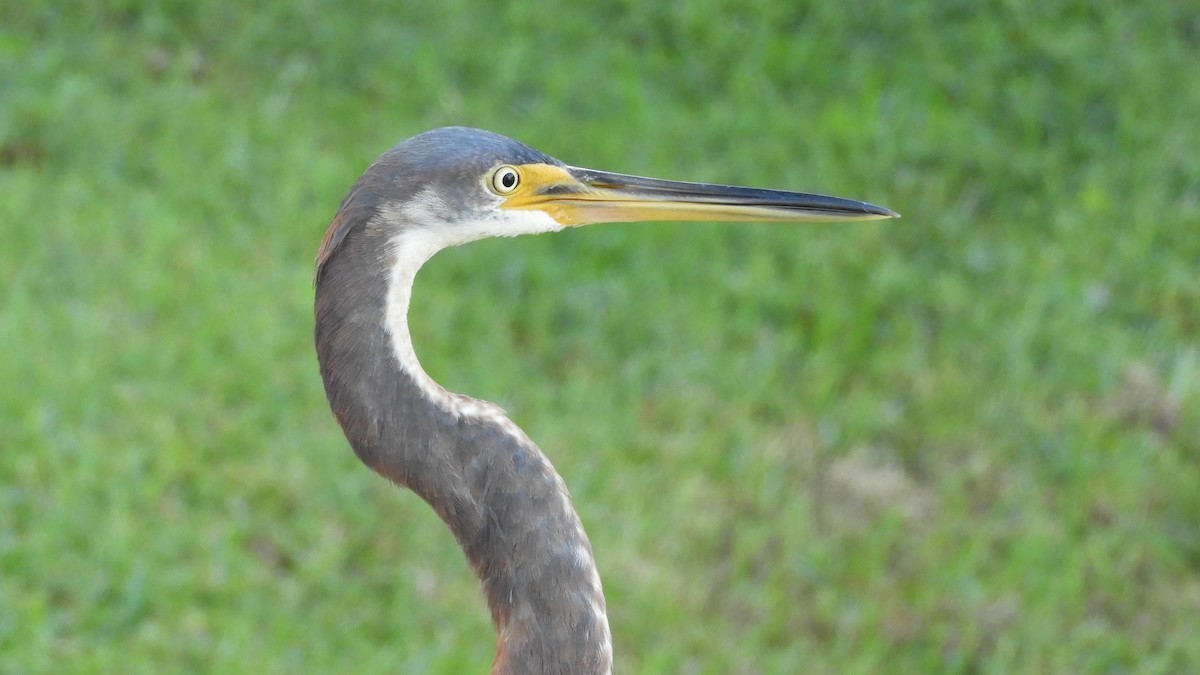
x=506, y=505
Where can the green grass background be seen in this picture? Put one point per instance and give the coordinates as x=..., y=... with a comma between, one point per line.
x=967, y=441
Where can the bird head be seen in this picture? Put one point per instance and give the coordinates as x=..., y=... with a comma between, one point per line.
x=457, y=185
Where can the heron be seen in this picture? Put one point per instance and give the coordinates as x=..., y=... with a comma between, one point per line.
x=508, y=508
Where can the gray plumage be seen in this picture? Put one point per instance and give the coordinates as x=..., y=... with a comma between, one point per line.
x=489, y=483
x=494, y=489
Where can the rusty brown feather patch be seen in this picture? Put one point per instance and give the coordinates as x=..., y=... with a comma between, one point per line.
x=335, y=233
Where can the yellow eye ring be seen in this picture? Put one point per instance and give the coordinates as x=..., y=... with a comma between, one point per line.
x=505, y=179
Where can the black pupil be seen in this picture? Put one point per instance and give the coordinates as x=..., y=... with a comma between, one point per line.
x=508, y=179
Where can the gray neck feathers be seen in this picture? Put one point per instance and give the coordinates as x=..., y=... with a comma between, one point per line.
x=492, y=486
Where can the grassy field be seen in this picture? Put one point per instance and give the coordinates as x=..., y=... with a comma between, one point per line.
x=965, y=442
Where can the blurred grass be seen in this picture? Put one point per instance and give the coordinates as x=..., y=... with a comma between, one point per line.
x=963, y=442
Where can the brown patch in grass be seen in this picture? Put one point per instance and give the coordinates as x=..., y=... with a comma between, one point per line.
x=856, y=491
x=271, y=554
x=21, y=152
x=1141, y=400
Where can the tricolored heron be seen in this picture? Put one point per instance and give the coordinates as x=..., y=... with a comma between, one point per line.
x=493, y=487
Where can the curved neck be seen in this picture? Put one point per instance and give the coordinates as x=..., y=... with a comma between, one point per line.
x=497, y=492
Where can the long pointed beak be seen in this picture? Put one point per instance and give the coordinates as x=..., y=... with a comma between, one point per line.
x=577, y=196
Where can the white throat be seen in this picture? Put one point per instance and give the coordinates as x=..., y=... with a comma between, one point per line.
x=411, y=248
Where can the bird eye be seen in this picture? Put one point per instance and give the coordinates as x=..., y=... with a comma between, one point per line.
x=505, y=180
